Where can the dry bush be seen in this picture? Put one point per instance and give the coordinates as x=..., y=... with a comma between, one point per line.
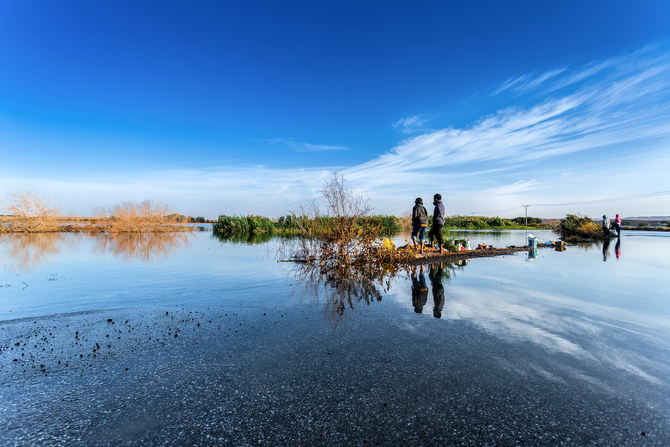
x=405, y=221
x=30, y=213
x=145, y=216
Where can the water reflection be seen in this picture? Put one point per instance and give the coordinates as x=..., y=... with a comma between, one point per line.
x=29, y=250
x=558, y=323
x=606, y=250
x=617, y=248
x=532, y=254
x=245, y=238
x=142, y=246
x=419, y=290
x=344, y=289
x=436, y=277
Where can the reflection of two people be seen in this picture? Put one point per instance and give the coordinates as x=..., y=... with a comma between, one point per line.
x=420, y=289
x=606, y=249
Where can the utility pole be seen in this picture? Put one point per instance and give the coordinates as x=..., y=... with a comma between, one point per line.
x=526, y=206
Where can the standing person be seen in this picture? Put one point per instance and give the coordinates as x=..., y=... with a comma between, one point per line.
x=419, y=222
x=606, y=226
x=438, y=222
x=617, y=225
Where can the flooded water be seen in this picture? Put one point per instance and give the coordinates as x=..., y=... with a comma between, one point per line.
x=186, y=339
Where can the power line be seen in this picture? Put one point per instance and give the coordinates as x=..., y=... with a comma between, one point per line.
x=584, y=202
x=612, y=199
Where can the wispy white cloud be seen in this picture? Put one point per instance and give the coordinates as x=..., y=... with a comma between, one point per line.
x=528, y=82
x=411, y=124
x=303, y=146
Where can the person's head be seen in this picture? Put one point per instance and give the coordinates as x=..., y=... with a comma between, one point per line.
x=437, y=197
x=604, y=216
x=418, y=201
x=617, y=215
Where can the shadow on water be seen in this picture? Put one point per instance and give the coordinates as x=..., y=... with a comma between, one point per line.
x=29, y=250
x=345, y=289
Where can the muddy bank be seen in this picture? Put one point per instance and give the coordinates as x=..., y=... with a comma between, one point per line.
x=431, y=256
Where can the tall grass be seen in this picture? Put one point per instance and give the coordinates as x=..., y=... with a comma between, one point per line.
x=301, y=225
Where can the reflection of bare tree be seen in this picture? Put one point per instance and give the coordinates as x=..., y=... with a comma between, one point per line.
x=345, y=288
x=143, y=246
x=28, y=250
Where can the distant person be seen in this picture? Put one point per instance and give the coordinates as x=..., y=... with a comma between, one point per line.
x=606, y=250
x=438, y=223
x=419, y=222
x=435, y=275
x=419, y=291
x=617, y=248
x=606, y=226
x=617, y=225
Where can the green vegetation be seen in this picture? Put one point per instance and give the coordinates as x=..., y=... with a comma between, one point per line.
x=579, y=228
x=299, y=225
x=487, y=223
x=388, y=225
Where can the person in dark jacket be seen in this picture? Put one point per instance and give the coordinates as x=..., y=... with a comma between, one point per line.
x=438, y=223
x=419, y=222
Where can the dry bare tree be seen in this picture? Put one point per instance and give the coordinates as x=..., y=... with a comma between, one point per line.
x=342, y=251
x=31, y=212
x=145, y=216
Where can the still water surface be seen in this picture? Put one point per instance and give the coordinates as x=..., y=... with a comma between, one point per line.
x=188, y=339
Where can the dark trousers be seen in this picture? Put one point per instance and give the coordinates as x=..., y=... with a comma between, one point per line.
x=436, y=233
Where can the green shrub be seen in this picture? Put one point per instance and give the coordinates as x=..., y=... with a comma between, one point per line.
x=574, y=227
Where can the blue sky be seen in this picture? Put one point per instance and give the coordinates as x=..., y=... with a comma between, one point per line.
x=247, y=107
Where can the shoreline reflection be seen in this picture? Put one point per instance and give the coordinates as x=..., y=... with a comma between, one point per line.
x=30, y=250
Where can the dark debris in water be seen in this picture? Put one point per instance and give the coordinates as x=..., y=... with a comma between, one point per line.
x=45, y=346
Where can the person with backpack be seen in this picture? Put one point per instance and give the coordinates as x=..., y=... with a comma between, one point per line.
x=419, y=222
x=606, y=226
